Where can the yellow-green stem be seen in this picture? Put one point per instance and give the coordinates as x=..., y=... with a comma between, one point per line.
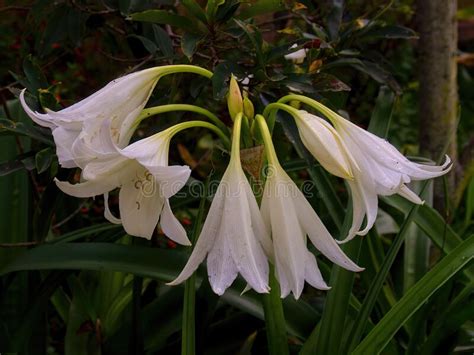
x=267, y=140
x=184, y=68
x=191, y=124
x=156, y=110
x=330, y=114
x=235, y=151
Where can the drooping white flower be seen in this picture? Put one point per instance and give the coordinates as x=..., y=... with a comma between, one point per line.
x=298, y=56
x=145, y=180
x=233, y=237
x=76, y=128
x=378, y=168
x=291, y=219
x=383, y=170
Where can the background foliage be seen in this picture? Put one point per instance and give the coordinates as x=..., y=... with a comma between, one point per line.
x=73, y=284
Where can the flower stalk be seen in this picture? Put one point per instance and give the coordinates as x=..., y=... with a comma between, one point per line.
x=156, y=110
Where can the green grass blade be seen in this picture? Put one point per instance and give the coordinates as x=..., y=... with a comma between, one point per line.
x=326, y=337
x=372, y=294
x=382, y=333
x=275, y=319
x=188, y=333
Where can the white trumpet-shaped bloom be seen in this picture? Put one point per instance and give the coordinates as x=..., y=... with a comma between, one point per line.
x=76, y=128
x=378, y=169
x=145, y=180
x=290, y=218
x=233, y=237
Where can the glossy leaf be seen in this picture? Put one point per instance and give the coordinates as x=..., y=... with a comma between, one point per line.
x=389, y=32
x=195, y=9
x=189, y=44
x=163, y=17
x=8, y=127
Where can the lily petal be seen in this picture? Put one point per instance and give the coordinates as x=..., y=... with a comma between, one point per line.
x=38, y=118
x=85, y=189
x=319, y=235
x=107, y=213
x=140, y=206
x=206, y=238
x=313, y=275
x=171, y=226
x=221, y=266
x=246, y=250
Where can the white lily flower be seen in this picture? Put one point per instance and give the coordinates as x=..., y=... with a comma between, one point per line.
x=378, y=168
x=233, y=237
x=298, y=56
x=381, y=170
x=291, y=219
x=145, y=180
x=76, y=128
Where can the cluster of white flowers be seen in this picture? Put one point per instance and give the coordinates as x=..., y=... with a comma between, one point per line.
x=237, y=237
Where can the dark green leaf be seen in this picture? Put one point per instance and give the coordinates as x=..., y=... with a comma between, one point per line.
x=163, y=17
x=8, y=127
x=327, y=82
x=255, y=38
x=189, y=43
x=34, y=74
x=211, y=9
x=389, y=32
x=227, y=11
x=154, y=263
x=195, y=9
x=164, y=41
x=372, y=69
x=43, y=159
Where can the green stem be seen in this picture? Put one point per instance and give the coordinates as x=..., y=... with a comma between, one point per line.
x=330, y=114
x=188, y=333
x=235, y=150
x=191, y=124
x=267, y=140
x=184, y=68
x=271, y=110
x=151, y=111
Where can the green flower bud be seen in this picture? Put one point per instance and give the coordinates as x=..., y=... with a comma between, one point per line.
x=249, y=111
x=234, y=98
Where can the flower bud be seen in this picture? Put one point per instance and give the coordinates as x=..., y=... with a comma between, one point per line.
x=234, y=98
x=249, y=111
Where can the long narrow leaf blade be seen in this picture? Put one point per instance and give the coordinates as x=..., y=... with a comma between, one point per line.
x=377, y=339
